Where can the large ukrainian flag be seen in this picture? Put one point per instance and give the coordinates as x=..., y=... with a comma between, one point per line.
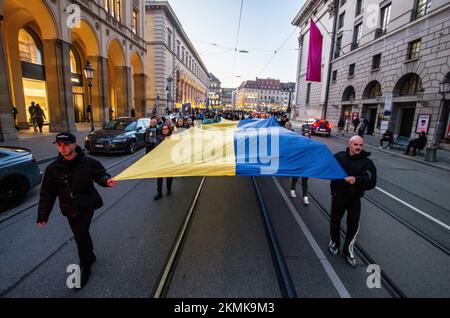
x=252, y=147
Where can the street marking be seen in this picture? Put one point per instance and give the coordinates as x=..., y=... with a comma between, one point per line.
x=342, y=291
x=415, y=209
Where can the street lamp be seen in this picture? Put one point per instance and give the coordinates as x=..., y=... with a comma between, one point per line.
x=89, y=74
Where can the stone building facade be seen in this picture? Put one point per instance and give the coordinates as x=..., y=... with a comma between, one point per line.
x=386, y=60
x=176, y=73
x=311, y=97
x=398, y=51
x=215, y=91
x=44, y=49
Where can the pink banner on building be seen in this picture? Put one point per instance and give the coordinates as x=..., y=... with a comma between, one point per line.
x=314, y=71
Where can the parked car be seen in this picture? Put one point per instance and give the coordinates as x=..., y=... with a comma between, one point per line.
x=19, y=173
x=122, y=135
x=321, y=127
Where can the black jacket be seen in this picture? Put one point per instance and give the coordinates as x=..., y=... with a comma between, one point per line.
x=80, y=174
x=360, y=167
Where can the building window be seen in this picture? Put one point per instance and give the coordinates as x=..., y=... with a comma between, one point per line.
x=376, y=62
x=422, y=8
x=178, y=49
x=414, y=49
x=359, y=7
x=107, y=5
x=135, y=24
x=338, y=47
x=385, y=17
x=182, y=55
x=169, y=38
x=308, y=93
x=118, y=10
x=357, y=36
x=334, y=76
x=351, y=70
x=341, y=20
x=29, y=48
x=343, y=2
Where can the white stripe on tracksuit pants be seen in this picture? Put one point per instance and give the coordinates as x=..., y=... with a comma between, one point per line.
x=339, y=206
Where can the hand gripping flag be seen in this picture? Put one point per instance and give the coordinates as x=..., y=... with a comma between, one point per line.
x=253, y=147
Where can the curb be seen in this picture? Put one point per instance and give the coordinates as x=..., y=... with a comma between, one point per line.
x=403, y=157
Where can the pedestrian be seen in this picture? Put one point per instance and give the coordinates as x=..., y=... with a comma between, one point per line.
x=347, y=193
x=40, y=117
x=189, y=123
x=166, y=132
x=348, y=123
x=355, y=123
x=361, y=128
x=15, y=112
x=294, y=180
x=32, y=113
x=132, y=112
x=70, y=178
x=151, y=135
x=418, y=143
x=341, y=126
x=389, y=137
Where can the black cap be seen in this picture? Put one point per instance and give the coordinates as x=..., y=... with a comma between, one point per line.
x=66, y=138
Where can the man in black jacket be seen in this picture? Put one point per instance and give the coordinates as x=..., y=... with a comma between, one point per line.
x=347, y=194
x=418, y=143
x=71, y=178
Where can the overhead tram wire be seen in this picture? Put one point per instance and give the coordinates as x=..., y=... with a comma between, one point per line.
x=237, y=41
x=275, y=53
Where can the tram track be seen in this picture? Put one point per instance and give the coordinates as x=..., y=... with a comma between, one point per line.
x=388, y=283
x=35, y=204
x=285, y=283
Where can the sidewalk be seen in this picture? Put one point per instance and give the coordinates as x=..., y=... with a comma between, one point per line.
x=41, y=144
x=373, y=142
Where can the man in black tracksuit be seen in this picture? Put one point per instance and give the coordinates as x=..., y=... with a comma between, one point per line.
x=71, y=179
x=347, y=194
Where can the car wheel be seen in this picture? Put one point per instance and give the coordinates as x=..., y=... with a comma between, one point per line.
x=13, y=191
x=132, y=147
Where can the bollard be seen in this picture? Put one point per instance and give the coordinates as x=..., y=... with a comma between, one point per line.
x=430, y=154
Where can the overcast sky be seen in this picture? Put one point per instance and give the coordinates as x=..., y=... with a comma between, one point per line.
x=265, y=25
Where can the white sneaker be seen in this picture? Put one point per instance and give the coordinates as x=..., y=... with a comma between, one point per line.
x=305, y=200
x=293, y=194
x=381, y=148
x=388, y=148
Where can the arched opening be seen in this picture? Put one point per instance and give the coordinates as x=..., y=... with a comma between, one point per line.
x=444, y=132
x=137, y=85
x=408, y=85
x=27, y=57
x=349, y=94
x=76, y=78
x=116, y=80
x=372, y=90
x=85, y=48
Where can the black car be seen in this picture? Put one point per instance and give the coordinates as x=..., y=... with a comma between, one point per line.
x=19, y=174
x=122, y=135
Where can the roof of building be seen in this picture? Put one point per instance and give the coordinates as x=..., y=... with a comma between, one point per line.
x=268, y=83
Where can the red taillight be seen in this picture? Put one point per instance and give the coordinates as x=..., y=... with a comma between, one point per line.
x=330, y=126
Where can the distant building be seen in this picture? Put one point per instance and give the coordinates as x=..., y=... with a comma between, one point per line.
x=226, y=97
x=264, y=94
x=176, y=73
x=214, y=92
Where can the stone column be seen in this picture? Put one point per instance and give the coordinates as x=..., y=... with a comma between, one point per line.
x=128, y=103
x=59, y=85
x=7, y=129
x=139, y=94
x=100, y=96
